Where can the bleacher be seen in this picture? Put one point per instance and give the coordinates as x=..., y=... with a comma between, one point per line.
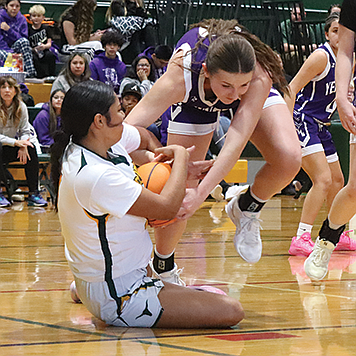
x=261, y=17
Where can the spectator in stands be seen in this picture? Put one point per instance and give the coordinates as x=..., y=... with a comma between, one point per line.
x=130, y=96
x=77, y=25
x=132, y=21
x=140, y=73
x=15, y=145
x=48, y=119
x=41, y=42
x=13, y=35
x=334, y=8
x=76, y=71
x=106, y=65
x=160, y=56
x=295, y=33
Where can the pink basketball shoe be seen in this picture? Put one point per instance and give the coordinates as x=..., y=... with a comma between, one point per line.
x=346, y=243
x=302, y=246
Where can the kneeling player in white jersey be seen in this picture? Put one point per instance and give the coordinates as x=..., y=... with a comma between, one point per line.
x=103, y=209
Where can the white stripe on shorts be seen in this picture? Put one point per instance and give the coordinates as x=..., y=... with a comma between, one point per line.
x=306, y=151
x=352, y=138
x=182, y=128
x=274, y=100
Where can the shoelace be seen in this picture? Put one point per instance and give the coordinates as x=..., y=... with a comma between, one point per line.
x=306, y=241
x=253, y=225
x=321, y=256
x=346, y=233
x=176, y=276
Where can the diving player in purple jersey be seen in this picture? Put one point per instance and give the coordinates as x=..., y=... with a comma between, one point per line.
x=312, y=94
x=343, y=207
x=218, y=66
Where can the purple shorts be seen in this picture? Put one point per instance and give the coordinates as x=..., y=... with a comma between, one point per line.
x=315, y=137
x=186, y=120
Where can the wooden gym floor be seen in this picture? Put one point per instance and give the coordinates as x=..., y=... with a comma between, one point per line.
x=285, y=313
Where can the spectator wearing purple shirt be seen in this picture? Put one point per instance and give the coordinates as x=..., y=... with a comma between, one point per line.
x=13, y=35
x=48, y=119
x=106, y=65
x=160, y=56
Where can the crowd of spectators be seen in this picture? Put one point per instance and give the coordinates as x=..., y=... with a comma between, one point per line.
x=125, y=55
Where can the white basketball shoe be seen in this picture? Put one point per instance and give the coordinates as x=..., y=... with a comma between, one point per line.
x=172, y=276
x=247, y=239
x=316, y=265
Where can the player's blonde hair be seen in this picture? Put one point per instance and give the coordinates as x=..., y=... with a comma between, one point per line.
x=37, y=9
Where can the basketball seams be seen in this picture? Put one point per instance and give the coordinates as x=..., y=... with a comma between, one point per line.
x=149, y=176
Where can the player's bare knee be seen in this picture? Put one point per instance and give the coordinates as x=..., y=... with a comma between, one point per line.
x=351, y=189
x=293, y=161
x=323, y=182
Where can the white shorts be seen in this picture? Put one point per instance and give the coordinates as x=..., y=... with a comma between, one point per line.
x=352, y=138
x=138, y=306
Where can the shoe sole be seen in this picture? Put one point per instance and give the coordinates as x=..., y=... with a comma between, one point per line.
x=37, y=205
x=299, y=253
x=243, y=257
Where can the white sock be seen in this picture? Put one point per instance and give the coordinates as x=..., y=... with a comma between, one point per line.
x=302, y=228
x=257, y=198
x=163, y=256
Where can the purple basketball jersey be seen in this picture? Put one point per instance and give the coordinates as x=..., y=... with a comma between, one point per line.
x=194, y=80
x=317, y=98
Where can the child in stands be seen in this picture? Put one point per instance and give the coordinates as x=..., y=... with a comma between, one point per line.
x=40, y=39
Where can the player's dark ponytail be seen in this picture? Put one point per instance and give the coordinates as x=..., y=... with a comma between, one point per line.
x=80, y=105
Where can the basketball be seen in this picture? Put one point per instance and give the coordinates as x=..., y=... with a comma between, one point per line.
x=154, y=176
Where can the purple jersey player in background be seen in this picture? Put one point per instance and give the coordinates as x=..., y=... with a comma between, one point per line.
x=312, y=93
x=218, y=66
x=343, y=207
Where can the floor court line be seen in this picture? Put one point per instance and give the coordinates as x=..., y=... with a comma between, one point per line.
x=111, y=338
x=264, y=286
x=184, y=348
x=53, y=326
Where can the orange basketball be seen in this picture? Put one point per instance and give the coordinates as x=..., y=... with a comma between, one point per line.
x=154, y=176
